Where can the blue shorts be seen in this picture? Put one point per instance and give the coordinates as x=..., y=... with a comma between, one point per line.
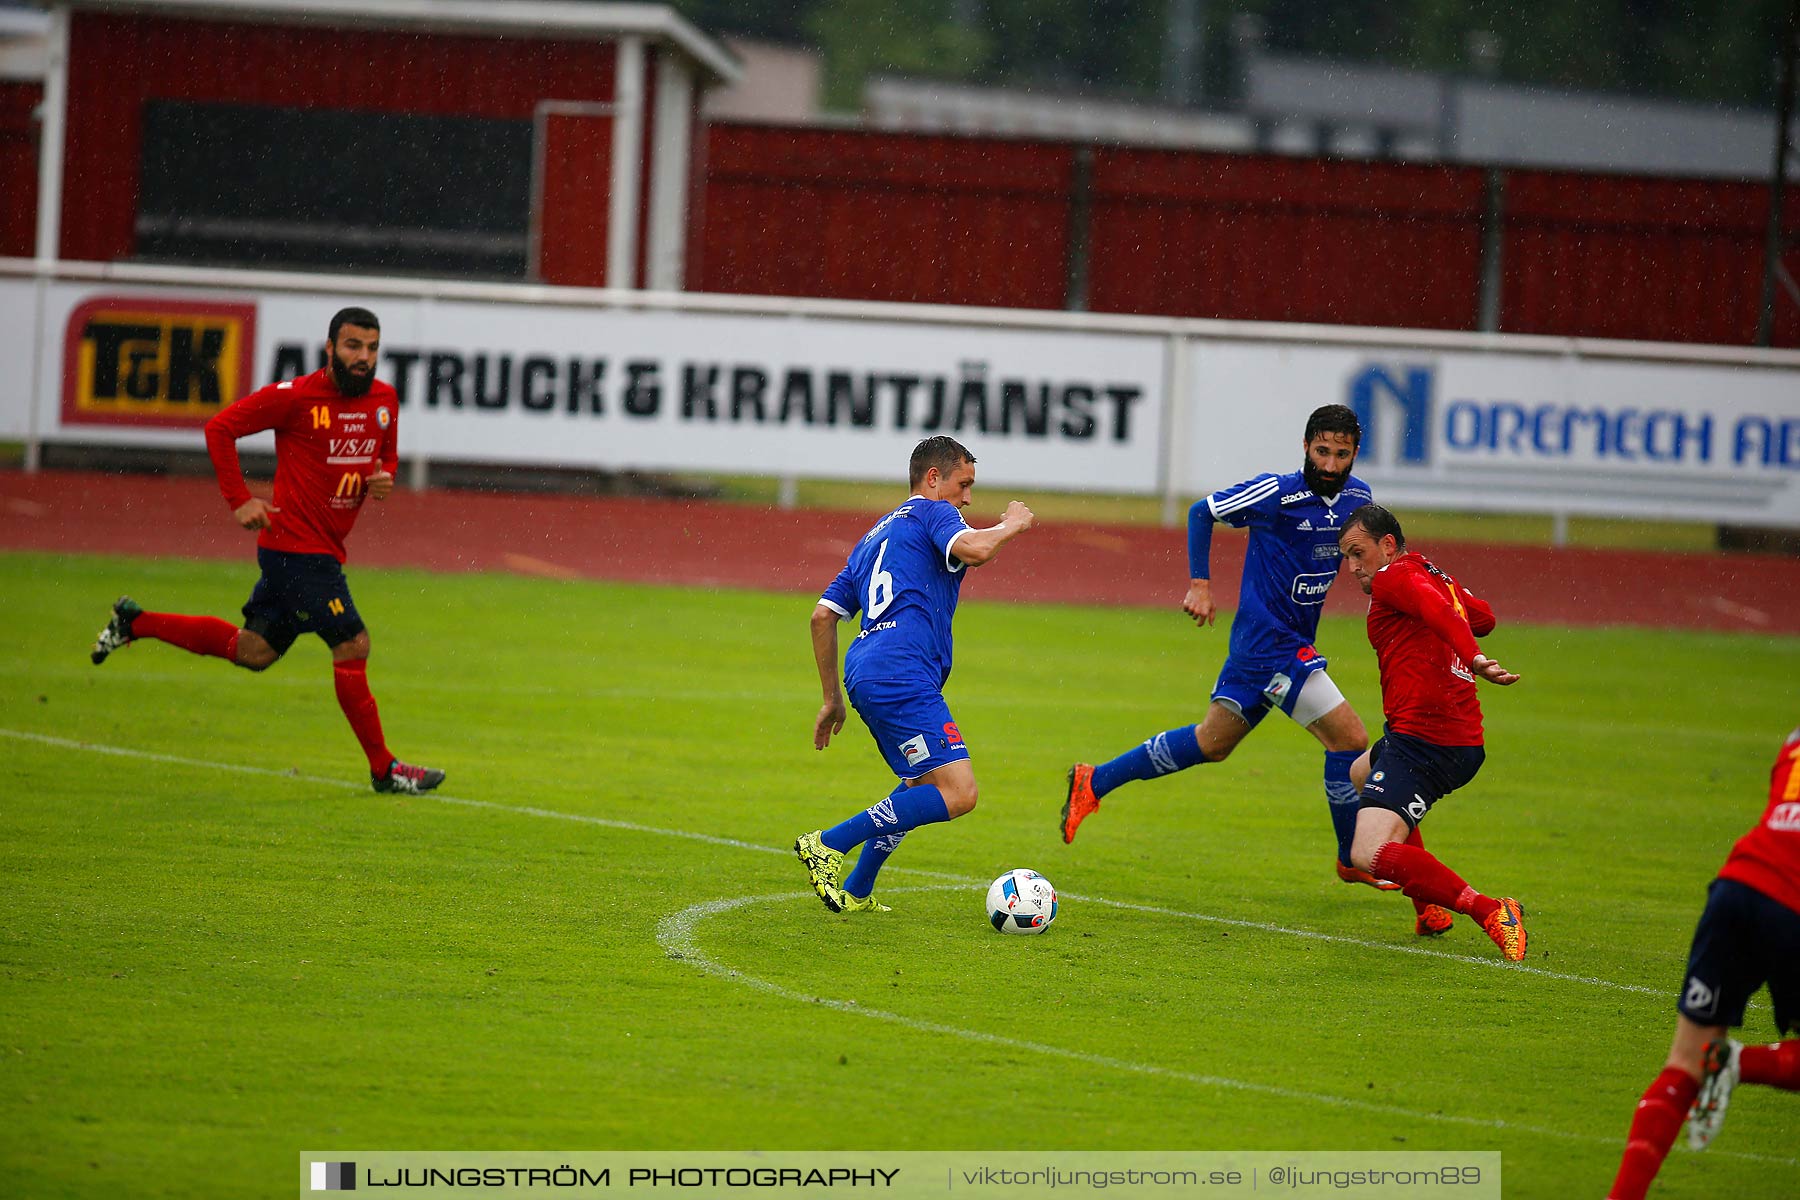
x=1408, y=775
x=1743, y=941
x=1252, y=689
x=912, y=727
x=301, y=593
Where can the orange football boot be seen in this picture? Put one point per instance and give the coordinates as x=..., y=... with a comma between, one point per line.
x=1358, y=875
x=1506, y=925
x=1435, y=920
x=1081, y=801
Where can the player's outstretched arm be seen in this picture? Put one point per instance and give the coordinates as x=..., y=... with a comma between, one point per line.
x=1410, y=593
x=980, y=545
x=825, y=654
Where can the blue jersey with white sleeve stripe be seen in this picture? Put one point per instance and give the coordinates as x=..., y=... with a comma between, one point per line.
x=905, y=579
x=1290, y=563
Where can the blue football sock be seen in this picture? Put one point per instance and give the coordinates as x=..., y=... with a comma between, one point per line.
x=902, y=809
x=875, y=852
x=1341, y=794
x=1164, y=754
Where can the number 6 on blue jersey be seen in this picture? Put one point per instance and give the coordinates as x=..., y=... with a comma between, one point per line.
x=881, y=585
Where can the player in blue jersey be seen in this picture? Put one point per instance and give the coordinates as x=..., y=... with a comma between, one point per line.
x=904, y=576
x=1289, y=566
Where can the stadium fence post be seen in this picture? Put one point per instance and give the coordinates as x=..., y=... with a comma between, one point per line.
x=627, y=156
x=1174, y=424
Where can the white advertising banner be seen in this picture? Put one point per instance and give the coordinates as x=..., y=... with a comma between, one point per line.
x=585, y=386
x=811, y=389
x=1506, y=431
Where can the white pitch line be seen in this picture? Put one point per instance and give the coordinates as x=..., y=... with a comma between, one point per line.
x=675, y=934
x=1489, y=963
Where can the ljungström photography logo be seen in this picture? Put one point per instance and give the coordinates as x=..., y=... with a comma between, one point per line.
x=334, y=1177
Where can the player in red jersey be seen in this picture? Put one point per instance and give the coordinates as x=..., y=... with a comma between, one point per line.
x=335, y=444
x=1423, y=625
x=1748, y=935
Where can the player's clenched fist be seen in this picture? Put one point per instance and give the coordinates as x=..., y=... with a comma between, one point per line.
x=381, y=485
x=1018, y=516
x=254, y=513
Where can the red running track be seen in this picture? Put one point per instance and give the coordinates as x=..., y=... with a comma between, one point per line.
x=703, y=543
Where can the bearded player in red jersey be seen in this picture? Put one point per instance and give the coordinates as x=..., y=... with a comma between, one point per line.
x=335, y=443
x=1749, y=935
x=1423, y=625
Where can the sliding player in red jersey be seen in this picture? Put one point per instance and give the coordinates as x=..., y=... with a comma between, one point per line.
x=1423, y=625
x=335, y=444
x=1748, y=935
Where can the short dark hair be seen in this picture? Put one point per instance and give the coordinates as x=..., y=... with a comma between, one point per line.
x=1333, y=418
x=360, y=317
x=943, y=452
x=1378, y=521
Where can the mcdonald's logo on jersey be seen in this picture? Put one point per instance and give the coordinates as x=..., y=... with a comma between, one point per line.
x=169, y=363
x=350, y=485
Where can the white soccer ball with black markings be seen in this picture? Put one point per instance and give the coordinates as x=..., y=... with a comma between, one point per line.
x=1021, y=902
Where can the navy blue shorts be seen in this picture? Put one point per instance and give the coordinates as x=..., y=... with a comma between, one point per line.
x=1252, y=689
x=1408, y=775
x=1743, y=941
x=912, y=727
x=301, y=593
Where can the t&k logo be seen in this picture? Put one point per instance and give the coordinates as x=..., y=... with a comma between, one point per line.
x=1394, y=405
x=155, y=362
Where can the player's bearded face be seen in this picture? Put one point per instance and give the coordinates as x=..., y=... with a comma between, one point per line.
x=1329, y=457
x=353, y=364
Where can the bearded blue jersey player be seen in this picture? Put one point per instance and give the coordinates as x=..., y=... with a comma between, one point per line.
x=905, y=576
x=1289, y=566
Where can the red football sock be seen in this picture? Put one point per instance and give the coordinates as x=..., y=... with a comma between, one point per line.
x=1659, y=1117
x=1423, y=878
x=1416, y=840
x=352, y=679
x=1775, y=1066
x=202, y=635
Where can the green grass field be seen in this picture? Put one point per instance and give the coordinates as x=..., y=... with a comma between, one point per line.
x=218, y=947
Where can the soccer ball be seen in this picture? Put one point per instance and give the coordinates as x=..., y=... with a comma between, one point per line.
x=1021, y=902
